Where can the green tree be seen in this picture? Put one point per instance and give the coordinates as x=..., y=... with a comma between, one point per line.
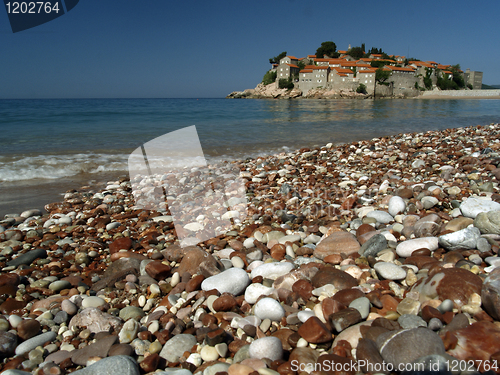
x=285, y=83
x=269, y=77
x=356, y=52
x=327, y=48
x=382, y=75
x=457, y=76
x=361, y=89
x=301, y=65
x=428, y=79
x=276, y=59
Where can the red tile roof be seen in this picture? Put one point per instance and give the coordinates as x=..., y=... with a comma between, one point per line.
x=342, y=70
x=306, y=71
x=293, y=66
x=371, y=70
x=399, y=69
x=292, y=57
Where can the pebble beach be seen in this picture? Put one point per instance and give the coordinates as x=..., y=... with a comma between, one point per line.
x=376, y=256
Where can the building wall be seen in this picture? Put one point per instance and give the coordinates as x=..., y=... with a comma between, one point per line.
x=404, y=83
x=475, y=78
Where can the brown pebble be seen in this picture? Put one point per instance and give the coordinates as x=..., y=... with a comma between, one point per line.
x=28, y=328
x=315, y=331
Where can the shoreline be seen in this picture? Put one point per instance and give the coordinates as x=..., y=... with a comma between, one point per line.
x=340, y=245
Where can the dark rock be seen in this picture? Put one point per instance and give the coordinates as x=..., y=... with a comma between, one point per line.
x=198, y=261
x=117, y=271
x=28, y=258
x=329, y=275
x=8, y=343
x=405, y=346
x=368, y=354
x=373, y=246
x=345, y=318
x=490, y=294
x=98, y=349
x=28, y=328
x=315, y=331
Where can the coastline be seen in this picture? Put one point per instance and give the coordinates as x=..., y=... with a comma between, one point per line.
x=342, y=226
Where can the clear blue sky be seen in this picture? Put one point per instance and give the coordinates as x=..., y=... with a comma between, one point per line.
x=178, y=49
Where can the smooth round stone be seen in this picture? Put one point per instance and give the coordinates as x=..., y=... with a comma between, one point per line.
x=113, y=225
x=390, y=271
x=64, y=220
x=312, y=238
x=289, y=238
x=61, y=317
x=406, y=248
x=33, y=342
x=93, y=301
x=233, y=280
x=473, y=206
x=304, y=315
x=114, y=365
x=237, y=262
x=397, y=205
x=209, y=353
x=8, y=343
x=266, y=347
x=429, y=202
x=272, y=270
x=221, y=349
x=409, y=321
x=176, y=346
x=402, y=347
x=381, y=216
x=59, y=285
x=273, y=235
x=435, y=324
x=417, y=164
x=248, y=243
x=14, y=320
x=268, y=308
x=255, y=290
x=490, y=294
x=362, y=304
x=488, y=222
x=482, y=245
x=462, y=239
x=131, y=312
x=69, y=307
x=129, y=331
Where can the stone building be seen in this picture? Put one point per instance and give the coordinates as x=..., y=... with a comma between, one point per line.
x=474, y=78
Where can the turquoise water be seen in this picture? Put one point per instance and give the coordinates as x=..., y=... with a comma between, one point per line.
x=65, y=141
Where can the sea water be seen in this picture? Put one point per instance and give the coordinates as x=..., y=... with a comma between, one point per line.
x=48, y=146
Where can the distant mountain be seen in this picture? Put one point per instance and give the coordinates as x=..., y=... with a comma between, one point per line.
x=490, y=87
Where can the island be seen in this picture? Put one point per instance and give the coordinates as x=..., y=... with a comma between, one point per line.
x=354, y=73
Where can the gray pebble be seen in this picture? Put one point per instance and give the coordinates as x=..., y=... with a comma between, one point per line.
x=32, y=343
x=362, y=304
x=409, y=321
x=435, y=324
x=445, y=306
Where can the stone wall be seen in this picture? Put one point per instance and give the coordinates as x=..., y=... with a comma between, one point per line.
x=494, y=94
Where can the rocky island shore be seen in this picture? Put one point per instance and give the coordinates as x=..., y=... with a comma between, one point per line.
x=270, y=91
x=376, y=256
